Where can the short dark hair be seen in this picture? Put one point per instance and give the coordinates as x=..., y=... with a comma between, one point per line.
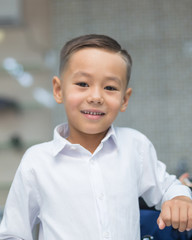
x=93, y=41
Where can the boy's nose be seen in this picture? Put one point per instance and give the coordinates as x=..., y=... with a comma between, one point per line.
x=95, y=97
x=95, y=100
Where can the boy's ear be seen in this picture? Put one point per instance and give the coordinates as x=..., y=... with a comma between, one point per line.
x=57, y=90
x=126, y=99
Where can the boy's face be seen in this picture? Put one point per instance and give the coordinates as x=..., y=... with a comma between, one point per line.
x=93, y=90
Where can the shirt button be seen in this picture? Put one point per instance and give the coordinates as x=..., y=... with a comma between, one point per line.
x=101, y=196
x=106, y=235
x=73, y=148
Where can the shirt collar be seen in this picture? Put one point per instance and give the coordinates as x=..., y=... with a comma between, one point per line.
x=61, y=132
x=59, y=140
x=110, y=134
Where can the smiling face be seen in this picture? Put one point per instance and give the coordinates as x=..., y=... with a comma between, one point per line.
x=93, y=91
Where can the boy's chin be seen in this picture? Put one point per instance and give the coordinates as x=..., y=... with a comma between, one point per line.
x=96, y=131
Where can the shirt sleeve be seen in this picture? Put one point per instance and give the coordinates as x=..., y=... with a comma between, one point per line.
x=156, y=185
x=21, y=208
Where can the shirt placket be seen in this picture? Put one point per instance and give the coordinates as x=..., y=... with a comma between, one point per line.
x=100, y=198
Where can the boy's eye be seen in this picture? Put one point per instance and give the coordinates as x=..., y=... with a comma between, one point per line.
x=110, y=88
x=82, y=84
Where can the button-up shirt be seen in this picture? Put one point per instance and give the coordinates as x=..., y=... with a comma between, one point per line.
x=76, y=195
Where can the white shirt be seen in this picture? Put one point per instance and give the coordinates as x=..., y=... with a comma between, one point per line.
x=76, y=195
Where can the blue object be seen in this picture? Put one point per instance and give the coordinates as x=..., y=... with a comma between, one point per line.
x=148, y=224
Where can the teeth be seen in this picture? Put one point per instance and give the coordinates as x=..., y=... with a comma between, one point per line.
x=93, y=113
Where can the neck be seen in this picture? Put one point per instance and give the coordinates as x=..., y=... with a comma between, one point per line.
x=88, y=141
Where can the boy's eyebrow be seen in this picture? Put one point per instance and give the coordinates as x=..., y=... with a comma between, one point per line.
x=113, y=78
x=86, y=74
x=81, y=73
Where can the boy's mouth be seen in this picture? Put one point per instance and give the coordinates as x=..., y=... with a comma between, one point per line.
x=94, y=113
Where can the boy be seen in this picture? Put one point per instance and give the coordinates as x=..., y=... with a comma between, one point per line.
x=85, y=184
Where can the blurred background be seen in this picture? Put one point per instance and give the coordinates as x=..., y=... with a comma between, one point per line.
x=157, y=34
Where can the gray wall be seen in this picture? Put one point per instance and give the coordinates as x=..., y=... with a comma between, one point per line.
x=158, y=35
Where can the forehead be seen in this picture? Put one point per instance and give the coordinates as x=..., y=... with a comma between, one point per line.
x=95, y=51
x=96, y=58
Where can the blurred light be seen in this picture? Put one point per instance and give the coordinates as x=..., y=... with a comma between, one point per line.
x=25, y=80
x=16, y=70
x=44, y=97
x=9, y=64
x=13, y=67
